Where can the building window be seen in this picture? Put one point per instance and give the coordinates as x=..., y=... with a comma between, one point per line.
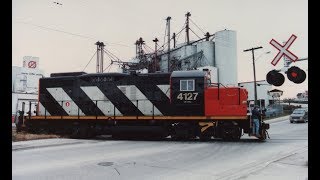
x=187, y=85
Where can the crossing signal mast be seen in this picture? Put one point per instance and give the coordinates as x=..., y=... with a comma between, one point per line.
x=294, y=73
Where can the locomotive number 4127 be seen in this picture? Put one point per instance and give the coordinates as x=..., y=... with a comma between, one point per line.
x=187, y=96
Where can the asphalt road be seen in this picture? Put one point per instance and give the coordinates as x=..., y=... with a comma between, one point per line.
x=284, y=156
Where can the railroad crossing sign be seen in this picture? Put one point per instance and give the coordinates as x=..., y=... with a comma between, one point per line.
x=283, y=50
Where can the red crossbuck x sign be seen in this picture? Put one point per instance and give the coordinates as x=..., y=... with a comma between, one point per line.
x=283, y=50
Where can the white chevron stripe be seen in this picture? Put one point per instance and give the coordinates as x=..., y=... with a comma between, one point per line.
x=165, y=89
x=144, y=105
x=42, y=110
x=103, y=103
x=68, y=104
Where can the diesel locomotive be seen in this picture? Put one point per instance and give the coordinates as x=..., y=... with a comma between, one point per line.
x=179, y=104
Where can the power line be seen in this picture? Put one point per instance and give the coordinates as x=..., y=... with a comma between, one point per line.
x=114, y=56
x=111, y=58
x=89, y=61
x=197, y=26
x=108, y=67
x=150, y=49
x=164, y=37
x=57, y=30
x=195, y=33
x=69, y=33
x=179, y=34
x=119, y=45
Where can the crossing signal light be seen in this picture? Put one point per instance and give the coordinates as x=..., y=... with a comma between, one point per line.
x=296, y=75
x=275, y=78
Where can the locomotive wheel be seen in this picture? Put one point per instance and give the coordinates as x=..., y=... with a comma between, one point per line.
x=79, y=133
x=180, y=137
x=205, y=137
x=237, y=134
x=183, y=131
x=91, y=133
x=75, y=133
x=232, y=135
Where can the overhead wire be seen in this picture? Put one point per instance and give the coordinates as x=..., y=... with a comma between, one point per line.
x=196, y=26
x=194, y=33
x=70, y=33
x=150, y=49
x=112, y=55
x=89, y=61
x=183, y=27
x=163, y=46
x=57, y=30
x=108, y=67
x=112, y=58
x=179, y=34
x=164, y=37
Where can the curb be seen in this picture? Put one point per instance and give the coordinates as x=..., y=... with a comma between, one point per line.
x=283, y=118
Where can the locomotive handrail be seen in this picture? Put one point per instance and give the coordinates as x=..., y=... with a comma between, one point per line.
x=30, y=103
x=217, y=84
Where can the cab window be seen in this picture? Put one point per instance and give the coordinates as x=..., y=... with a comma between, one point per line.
x=187, y=85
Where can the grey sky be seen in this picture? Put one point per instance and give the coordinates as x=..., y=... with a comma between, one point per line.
x=63, y=36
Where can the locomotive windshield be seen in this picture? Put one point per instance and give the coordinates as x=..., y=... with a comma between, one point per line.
x=187, y=85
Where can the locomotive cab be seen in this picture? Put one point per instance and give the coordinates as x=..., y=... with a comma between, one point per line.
x=187, y=89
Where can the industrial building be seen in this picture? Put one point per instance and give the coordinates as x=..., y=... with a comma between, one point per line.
x=25, y=81
x=220, y=53
x=263, y=97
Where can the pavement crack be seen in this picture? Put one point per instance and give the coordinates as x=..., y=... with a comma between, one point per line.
x=290, y=164
x=117, y=171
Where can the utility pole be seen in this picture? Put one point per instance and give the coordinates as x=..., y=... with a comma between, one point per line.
x=137, y=43
x=100, y=47
x=168, y=25
x=187, y=27
x=101, y=57
x=155, y=54
x=207, y=35
x=174, y=40
x=98, y=54
x=254, y=72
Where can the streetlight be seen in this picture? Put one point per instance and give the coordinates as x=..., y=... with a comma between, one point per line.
x=268, y=52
